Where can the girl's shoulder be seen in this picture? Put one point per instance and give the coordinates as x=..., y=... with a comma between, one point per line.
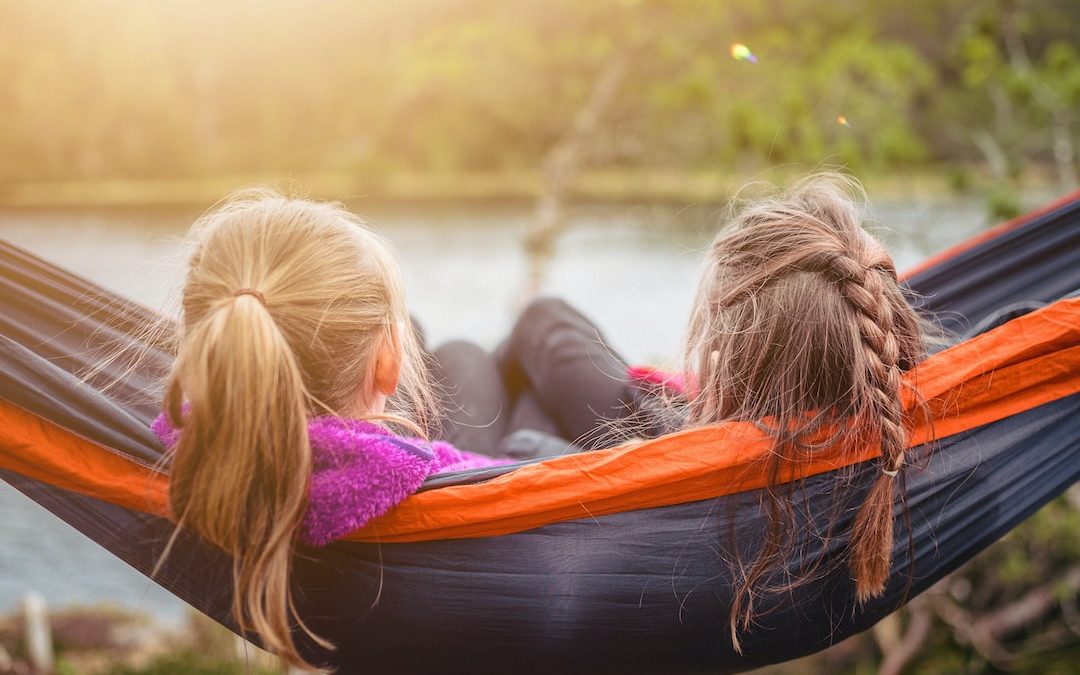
x=359, y=471
x=335, y=441
x=449, y=458
x=362, y=469
x=338, y=440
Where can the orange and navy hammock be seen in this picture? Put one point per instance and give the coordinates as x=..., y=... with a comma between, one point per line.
x=610, y=561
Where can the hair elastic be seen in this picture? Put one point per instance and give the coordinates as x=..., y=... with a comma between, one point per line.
x=252, y=292
x=890, y=474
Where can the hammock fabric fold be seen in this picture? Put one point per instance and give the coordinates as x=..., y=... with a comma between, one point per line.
x=607, y=561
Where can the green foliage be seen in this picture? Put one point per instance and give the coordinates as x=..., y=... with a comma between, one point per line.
x=1002, y=203
x=193, y=663
x=114, y=89
x=65, y=668
x=1036, y=553
x=1020, y=80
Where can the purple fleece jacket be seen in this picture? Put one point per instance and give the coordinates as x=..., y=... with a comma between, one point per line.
x=359, y=471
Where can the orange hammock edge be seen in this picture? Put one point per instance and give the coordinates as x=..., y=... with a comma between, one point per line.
x=1030, y=361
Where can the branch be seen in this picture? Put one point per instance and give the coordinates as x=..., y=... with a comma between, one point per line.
x=1031, y=607
x=565, y=158
x=918, y=629
x=992, y=152
x=1060, y=112
x=1014, y=44
x=1070, y=614
x=964, y=631
x=1064, y=154
x=986, y=632
x=564, y=162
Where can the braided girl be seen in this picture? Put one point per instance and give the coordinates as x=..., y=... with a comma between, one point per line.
x=800, y=325
x=799, y=322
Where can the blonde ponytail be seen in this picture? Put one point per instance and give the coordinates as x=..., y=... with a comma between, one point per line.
x=243, y=462
x=285, y=305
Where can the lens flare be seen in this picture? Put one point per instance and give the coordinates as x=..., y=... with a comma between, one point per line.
x=741, y=52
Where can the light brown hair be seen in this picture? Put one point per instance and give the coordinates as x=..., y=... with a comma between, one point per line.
x=800, y=324
x=285, y=303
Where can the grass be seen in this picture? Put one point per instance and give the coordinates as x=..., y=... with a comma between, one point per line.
x=616, y=184
x=193, y=662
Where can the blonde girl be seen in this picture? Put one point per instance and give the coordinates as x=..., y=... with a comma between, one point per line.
x=295, y=353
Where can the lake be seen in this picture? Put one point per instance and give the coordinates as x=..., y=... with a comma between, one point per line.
x=633, y=269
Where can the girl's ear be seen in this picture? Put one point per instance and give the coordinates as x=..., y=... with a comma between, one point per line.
x=388, y=362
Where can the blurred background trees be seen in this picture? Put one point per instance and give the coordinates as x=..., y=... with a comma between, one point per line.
x=118, y=89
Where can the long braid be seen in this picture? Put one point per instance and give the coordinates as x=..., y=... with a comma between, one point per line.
x=862, y=276
x=881, y=411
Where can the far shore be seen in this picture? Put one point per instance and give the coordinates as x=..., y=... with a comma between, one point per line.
x=619, y=185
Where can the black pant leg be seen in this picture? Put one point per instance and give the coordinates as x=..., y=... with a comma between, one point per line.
x=579, y=381
x=476, y=407
x=529, y=414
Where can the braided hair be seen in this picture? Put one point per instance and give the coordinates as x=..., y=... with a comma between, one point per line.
x=800, y=325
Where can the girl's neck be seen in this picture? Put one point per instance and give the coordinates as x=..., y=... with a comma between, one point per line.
x=374, y=408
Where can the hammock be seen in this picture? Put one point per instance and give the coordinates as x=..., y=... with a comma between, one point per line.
x=609, y=561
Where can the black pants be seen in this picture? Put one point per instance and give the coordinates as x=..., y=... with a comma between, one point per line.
x=555, y=377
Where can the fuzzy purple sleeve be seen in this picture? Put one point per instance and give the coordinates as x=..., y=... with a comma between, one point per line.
x=164, y=430
x=361, y=471
x=357, y=476
x=448, y=458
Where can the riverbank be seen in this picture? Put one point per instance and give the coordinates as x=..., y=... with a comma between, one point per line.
x=612, y=185
x=106, y=640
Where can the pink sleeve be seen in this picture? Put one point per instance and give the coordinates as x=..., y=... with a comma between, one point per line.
x=675, y=383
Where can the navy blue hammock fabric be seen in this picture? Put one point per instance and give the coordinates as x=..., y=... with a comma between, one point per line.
x=644, y=590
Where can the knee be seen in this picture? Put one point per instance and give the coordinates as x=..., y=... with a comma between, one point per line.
x=540, y=318
x=542, y=311
x=458, y=355
x=458, y=346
